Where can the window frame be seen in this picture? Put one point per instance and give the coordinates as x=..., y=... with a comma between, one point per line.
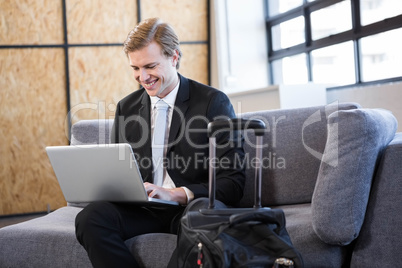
x=355, y=34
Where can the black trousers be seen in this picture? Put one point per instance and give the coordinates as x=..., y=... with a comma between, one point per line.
x=102, y=228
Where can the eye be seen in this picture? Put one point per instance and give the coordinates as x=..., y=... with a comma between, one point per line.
x=152, y=67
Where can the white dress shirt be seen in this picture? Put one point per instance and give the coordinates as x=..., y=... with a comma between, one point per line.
x=170, y=99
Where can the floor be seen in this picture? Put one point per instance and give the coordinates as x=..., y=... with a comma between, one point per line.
x=9, y=220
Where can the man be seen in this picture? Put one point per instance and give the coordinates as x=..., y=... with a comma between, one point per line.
x=177, y=170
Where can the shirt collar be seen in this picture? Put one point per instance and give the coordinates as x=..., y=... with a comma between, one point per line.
x=170, y=98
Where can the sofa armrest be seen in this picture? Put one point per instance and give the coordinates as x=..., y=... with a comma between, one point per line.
x=77, y=205
x=380, y=239
x=96, y=131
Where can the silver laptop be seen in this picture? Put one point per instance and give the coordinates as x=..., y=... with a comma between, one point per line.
x=101, y=172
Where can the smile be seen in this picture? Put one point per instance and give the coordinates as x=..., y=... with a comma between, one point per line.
x=150, y=84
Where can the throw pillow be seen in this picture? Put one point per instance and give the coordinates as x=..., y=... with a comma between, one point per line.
x=355, y=141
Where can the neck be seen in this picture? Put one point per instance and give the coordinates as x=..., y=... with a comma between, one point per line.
x=164, y=94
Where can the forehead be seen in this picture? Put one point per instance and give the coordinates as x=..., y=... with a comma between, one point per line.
x=148, y=54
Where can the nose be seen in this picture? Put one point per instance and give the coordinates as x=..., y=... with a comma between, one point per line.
x=142, y=75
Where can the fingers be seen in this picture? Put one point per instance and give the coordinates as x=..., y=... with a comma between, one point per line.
x=150, y=187
x=153, y=193
x=175, y=194
x=153, y=190
x=158, y=193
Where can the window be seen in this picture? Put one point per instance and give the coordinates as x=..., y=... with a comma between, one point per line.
x=276, y=7
x=375, y=10
x=288, y=33
x=238, y=45
x=326, y=22
x=381, y=55
x=334, y=64
x=291, y=70
x=334, y=41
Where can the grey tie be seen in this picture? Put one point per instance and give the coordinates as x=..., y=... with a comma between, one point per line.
x=158, y=140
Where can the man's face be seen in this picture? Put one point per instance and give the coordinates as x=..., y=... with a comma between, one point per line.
x=153, y=70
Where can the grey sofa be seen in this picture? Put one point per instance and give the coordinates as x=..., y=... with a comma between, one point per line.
x=335, y=170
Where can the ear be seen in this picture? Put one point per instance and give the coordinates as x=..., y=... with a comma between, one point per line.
x=175, y=58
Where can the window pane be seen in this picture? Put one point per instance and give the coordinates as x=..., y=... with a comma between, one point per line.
x=290, y=70
x=280, y=6
x=334, y=64
x=288, y=33
x=331, y=20
x=378, y=10
x=381, y=55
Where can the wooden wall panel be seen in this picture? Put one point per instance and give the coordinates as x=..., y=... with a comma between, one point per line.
x=33, y=103
x=99, y=78
x=31, y=22
x=33, y=112
x=94, y=21
x=194, y=63
x=188, y=18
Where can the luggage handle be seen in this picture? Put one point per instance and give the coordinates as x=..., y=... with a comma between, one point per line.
x=236, y=124
x=230, y=125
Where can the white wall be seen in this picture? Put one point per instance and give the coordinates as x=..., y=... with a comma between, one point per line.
x=279, y=97
x=385, y=96
x=305, y=95
x=256, y=100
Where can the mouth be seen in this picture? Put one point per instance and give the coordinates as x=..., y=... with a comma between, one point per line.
x=149, y=85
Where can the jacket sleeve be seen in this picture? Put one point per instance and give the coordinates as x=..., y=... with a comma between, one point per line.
x=114, y=135
x=230, y=174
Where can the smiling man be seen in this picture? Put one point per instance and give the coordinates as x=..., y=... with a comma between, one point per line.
x=186, y=107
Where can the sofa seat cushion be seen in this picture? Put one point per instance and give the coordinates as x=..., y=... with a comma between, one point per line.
x=152, y=250
x=314, y=251
x=48, y=241
x=356, y=139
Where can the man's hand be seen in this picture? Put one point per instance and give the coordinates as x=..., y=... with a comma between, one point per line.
x=174, y=194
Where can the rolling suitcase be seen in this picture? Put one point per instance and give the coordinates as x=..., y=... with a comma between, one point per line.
x=235, y=237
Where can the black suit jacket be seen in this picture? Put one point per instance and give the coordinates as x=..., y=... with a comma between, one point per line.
x=187, y=155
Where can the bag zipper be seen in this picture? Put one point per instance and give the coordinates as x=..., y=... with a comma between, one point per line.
x=200, y=256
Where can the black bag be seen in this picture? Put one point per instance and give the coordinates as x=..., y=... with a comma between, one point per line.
x=247, y=239
x=235, y=237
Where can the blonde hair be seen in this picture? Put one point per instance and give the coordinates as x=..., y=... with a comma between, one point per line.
x=151, y=30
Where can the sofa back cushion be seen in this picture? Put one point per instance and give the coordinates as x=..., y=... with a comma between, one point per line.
x=293, y=146
x=356, y=139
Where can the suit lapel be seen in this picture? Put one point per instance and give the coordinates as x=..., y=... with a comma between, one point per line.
x=181, y=106
x=146, y=151
x=145, y=109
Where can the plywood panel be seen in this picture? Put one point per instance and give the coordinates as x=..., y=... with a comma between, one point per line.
x=31, y=22
x=188, y=18
x=94, y=21
x=194, y=63
x=33, y=111
x=99, y=78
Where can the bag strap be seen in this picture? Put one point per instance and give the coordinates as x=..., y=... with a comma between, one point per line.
x=271, y=216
